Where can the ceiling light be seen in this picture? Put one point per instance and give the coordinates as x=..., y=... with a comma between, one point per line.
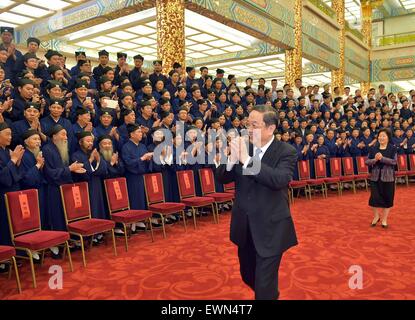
x=122, y=35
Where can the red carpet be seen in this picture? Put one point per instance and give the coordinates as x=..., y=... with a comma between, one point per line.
x=333, y=233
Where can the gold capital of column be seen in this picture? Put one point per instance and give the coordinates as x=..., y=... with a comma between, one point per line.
x=170, y=33
x=337, y=75
x=293, y=57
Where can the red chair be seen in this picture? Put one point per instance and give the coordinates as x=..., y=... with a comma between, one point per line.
x=229, y=187
x=207, y=183
x=305, y=175
x=336, y=171
x=187, y=192
x=8, y=254
x=411, y=171
x=23, y=214
x=362, y=171
x=348, y=172
x=402, y=165
x=297, y=185
x=119, y=207
x=75, y=199
x=320, y=168
x=156, y=202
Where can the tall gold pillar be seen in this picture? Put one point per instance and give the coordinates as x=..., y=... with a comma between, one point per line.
x=170, y=33
x=293, y=57
x=367, y=6
x=337, y=75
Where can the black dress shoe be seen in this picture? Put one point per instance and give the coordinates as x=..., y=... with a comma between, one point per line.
x=56, y=256
x=156, y=225
x=375, y=223
x=168, y=221
x=5, y=269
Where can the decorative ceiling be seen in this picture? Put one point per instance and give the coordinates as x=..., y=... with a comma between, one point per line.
x=21, y=12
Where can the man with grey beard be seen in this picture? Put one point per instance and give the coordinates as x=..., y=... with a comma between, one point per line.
x=57, y=172
x=115, y=166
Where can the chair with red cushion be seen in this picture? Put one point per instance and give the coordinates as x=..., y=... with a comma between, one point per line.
x=75, y=199
x=23, y=214
x=8, y=254
x=119, y=206
x=305, y=175
x=297, y=185
x=207, y=183
x=348, y=172
x=362, y=171
x=336, y=171
x=156, y=201
x=229, y=187
x=320, y=168
x=402, y=165
x=187, y=192
x=411, y=171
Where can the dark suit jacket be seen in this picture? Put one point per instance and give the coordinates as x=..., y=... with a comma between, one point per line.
x=262, y=201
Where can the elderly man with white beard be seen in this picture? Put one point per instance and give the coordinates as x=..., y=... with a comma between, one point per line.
x=57, y=171
x=115, y=167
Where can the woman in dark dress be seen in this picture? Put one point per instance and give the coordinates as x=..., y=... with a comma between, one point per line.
x=382, y=161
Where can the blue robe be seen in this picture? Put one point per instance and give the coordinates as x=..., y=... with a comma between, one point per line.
x=32, y=178
x=9, y=181
x=56, y=174
x=94, y=179
x=134, y=170
x=48, y=123
x=164, y=170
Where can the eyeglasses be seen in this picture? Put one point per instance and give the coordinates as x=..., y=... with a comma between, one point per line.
x=255, y=125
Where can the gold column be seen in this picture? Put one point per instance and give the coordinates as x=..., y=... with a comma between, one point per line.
x=170, y=33
x=367, y=7
x=337, y=75
x=293, y=57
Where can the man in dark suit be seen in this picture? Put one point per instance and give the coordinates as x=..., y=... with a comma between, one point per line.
x=261, y=224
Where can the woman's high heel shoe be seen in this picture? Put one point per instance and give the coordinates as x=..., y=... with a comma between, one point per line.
x=384, y=226
x=374, y=223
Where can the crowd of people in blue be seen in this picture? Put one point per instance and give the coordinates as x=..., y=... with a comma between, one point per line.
x=59, y=126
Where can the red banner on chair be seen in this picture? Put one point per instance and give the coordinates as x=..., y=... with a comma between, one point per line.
x=24, y=206
x=336, y=165
x=186, y=180
x=348, y=164
x=207, y=177
x=304, y=166
x=362, y=162
x=76, y=194
x=155, y=184
x=117, y=190
x=320, y=165
x=402, y=161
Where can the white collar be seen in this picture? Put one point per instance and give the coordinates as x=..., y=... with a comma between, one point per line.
x=265, y=147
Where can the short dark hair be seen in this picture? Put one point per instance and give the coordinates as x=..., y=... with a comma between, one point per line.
x=388, y=132
x=269, y=113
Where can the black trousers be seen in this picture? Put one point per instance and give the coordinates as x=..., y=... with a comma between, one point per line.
x=259, y=273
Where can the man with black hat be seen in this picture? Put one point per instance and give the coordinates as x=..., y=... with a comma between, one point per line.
x=32, y=48
x=79, y=55
x=23, y=96
x=83, y=122
x=136, y=160
x=157, y=75
x=95, y=171
x=82, y=100
x=7, y=36
x=137, y=75
x=98, y=71
x=115, y=165
x=30, y=121
x=56, y=108
x=127, y=117
x=57, y=171
x=9, y=176
x=191, y=78
x=105, y=127
x=204, y=72
x=122, y=68
x=220, y=73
